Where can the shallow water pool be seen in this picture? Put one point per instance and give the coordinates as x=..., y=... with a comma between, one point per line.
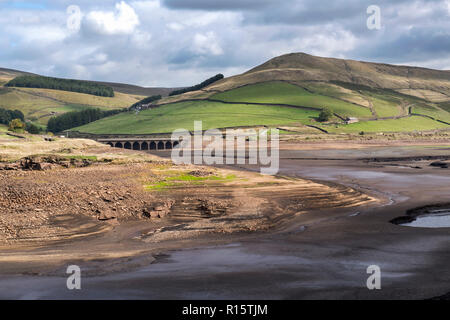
x=435, y=219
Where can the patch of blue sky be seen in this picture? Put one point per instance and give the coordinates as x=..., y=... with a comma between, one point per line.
x=24, y=5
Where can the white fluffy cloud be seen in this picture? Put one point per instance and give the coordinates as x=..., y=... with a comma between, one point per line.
x=123, y=20
x=207, y=44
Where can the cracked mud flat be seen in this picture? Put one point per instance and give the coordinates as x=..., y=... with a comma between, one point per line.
x=309, y=239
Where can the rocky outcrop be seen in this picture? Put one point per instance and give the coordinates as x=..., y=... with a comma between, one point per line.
x=46, y=162
x=158, y=209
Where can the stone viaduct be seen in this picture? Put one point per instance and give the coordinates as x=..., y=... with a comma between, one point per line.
x=131, y=142
x=141, y=143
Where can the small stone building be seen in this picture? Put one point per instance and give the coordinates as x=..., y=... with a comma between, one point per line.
x=351, y=120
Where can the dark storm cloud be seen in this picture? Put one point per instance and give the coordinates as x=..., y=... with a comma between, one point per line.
x=415, y=44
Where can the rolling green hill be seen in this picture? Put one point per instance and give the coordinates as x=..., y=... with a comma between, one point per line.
x=289, y=90
x=280, y=103
x=433, y=85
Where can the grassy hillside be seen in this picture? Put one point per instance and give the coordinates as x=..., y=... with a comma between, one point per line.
x=414, y=123
x=71, y=85
x=3, y=135
x=8, y=74
x=213, y=114
x=378, y=110
x=285, y=93
x=364, y=90
x=381, y=96
x=433, y=111
x=304, y=67
x=40, y=104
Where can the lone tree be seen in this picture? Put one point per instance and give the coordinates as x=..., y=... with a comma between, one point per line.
x=16, y=125
x=325, y=115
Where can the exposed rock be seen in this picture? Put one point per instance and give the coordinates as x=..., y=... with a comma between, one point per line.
x=213, y=206
x=158, y=210
x=105, y=215
x=45, y=162
x=201, y=173
x=9, y=166
x=65, y=164
x=440, y=164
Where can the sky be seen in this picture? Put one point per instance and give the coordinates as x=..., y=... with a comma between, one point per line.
x=171, y=43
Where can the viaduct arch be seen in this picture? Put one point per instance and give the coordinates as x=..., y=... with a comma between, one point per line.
x=141, y=144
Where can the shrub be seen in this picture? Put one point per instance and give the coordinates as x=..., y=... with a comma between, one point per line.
x=16, y=125
x=325, y=115
x=32, y=128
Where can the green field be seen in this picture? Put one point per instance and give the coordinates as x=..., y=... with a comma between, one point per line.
x=384, y=108
x=385, y=103
x=167, y=118
x=414, y=123
x=437, y=113
x=286, y=93
x=3, y=130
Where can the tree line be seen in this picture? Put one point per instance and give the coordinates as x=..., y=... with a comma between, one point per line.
x=145, y=101
x=78, y=118
x=61, y=84
x=198, y=86
x=6, y=116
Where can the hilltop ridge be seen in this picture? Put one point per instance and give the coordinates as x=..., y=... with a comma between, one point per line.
x=434, y=85
x=289, y=91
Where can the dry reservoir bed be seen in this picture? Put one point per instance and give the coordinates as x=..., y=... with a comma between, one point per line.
x=154, y=230
x=156, y=202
